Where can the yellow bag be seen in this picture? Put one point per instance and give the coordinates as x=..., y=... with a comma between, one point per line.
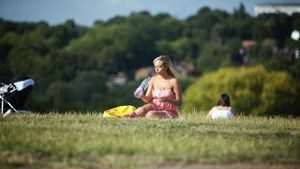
x=119, y=111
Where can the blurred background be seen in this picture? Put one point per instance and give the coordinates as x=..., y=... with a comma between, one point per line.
x=91, y=55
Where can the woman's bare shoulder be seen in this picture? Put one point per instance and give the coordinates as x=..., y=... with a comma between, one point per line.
x=173, y=79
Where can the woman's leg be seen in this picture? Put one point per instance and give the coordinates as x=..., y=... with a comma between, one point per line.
x=157, y=114
x=142, y=111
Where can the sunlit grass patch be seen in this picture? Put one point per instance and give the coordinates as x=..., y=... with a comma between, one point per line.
x=88, y=140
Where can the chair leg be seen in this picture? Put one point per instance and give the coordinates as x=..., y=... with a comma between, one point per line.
x=7, y=112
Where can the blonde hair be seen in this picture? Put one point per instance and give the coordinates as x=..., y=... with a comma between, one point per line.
x=166, y=61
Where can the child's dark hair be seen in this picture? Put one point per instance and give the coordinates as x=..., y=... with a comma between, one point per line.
x=224, y=100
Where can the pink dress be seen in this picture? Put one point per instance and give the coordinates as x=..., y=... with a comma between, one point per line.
x=168, y=108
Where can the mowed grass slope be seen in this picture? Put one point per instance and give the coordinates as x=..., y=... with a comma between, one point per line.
x=74, y=140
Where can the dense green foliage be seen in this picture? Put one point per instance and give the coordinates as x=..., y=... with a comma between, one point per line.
x=89, y=141
x=254, y=91
x=71, y=63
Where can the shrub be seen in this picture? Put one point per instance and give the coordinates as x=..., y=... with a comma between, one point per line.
x=253, y=91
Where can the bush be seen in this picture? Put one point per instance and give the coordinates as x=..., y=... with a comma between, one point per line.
x=253, y=91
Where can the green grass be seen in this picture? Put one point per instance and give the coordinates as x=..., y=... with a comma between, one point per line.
x=90, y=141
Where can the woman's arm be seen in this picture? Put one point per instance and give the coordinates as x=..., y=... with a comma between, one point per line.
x=148, y=97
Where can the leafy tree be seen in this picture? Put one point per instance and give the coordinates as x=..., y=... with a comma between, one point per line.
x=204, y=20
x=184, y=49
x=164, y=46
x=62, y=34
x=240, y=13
x=276, y=26
x=7, y=43
x=210, y=59
x=82, y=93
x=169, y=28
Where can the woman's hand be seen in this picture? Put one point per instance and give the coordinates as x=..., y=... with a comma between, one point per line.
x=164, y=99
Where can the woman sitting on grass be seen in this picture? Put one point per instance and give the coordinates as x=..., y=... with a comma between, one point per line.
x=222, y=109
x=163, y=94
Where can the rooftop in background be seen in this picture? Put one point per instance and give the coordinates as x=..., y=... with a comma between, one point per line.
x=277, y=8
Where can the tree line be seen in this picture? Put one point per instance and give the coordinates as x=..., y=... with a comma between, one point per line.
x=71, y=63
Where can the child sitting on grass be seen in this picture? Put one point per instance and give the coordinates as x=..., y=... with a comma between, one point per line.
x=222, y=109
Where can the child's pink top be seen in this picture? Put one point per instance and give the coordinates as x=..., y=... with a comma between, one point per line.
x=169, y=108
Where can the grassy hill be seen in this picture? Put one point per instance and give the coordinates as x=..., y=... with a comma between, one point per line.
x=75, y=140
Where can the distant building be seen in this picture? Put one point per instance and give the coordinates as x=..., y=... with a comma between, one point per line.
x=288, y=9
x=143, y=72
x=242, y=56
x=183, y=68
x=119, y=79
x=246, y=44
